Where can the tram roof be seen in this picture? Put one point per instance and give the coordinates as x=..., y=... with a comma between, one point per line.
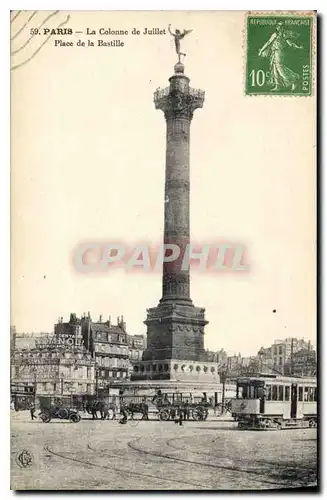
x=276, y=378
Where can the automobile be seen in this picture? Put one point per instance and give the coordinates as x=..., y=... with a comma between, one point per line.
x=62, y=412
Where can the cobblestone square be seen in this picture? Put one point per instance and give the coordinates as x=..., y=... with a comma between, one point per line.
x=154, y=455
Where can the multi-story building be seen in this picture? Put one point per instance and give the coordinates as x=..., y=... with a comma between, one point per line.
x=109, y=348
x=219, y=357
x=56, y=366
x=283, y=350
x=137, y=342
x=303, y=363
x=136, y=347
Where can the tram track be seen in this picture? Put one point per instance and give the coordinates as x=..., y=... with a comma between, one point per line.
x=171, y=443
x=120, y=471
x=131, y=444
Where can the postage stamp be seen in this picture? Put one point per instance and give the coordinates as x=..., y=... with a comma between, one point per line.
x=279, y=55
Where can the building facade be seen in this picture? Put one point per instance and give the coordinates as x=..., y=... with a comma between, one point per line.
x=282, y=352
x=54, y=367
x=107, y=343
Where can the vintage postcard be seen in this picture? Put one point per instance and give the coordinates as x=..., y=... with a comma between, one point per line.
x=163, y=209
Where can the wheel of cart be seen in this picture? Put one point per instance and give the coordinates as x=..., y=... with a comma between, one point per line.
x=45, y=416
x=164, y=414
x=200, y=413
x=74, y=417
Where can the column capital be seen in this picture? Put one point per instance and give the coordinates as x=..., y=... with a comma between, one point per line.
x=178, y=100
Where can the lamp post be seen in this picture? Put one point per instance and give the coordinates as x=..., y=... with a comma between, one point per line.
x=96, y=379
x=62, y=383
x=223, y=375
x=34, y=382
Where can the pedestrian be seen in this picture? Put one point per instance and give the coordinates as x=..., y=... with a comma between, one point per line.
x=180, y=420
x=32, y=411
x=186, y=410
x=123, y=412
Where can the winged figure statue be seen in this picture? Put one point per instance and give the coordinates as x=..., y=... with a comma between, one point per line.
x=178, y=35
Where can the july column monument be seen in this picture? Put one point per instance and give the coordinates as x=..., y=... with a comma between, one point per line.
x=175, y=328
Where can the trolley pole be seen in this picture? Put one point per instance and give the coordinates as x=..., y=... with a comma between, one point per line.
x=292, y=350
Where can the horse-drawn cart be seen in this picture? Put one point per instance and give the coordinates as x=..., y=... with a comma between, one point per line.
x=172, y=405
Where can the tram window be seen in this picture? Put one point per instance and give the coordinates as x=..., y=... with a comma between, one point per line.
x=274, y=392
x=268, y=392
x=300, y=398
x=306, y=394
x=280, y=393
x=242, y=392
x=287, y=393
x=311, y=393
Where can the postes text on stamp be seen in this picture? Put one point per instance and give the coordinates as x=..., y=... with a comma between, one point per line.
x=279, y=55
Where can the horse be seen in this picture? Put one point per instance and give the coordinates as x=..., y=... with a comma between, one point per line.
x=142, y=408
x=103, y=408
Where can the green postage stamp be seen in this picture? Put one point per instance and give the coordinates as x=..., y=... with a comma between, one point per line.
x=279, y=55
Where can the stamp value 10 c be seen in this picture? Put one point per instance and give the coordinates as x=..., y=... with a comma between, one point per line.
x=279, y=55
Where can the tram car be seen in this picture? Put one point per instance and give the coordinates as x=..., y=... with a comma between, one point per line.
x=275, y=402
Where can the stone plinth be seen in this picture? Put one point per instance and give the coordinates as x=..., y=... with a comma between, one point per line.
x=176, y=370
x=175, y=331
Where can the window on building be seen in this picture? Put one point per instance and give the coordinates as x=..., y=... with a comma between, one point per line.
x=268, y=392
x=80, y=387
x=280, y=361
x=276, y=350
x=280, y=393
x=274, y=393
x=89, y=388
x=89, y=372
x=287, y=393
x=154, y=368
x=280, y=349
x=44, y=386
x=103, y=373
x=306, y=394
x=300, y=396
x=114, y=374
x=54, y=387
